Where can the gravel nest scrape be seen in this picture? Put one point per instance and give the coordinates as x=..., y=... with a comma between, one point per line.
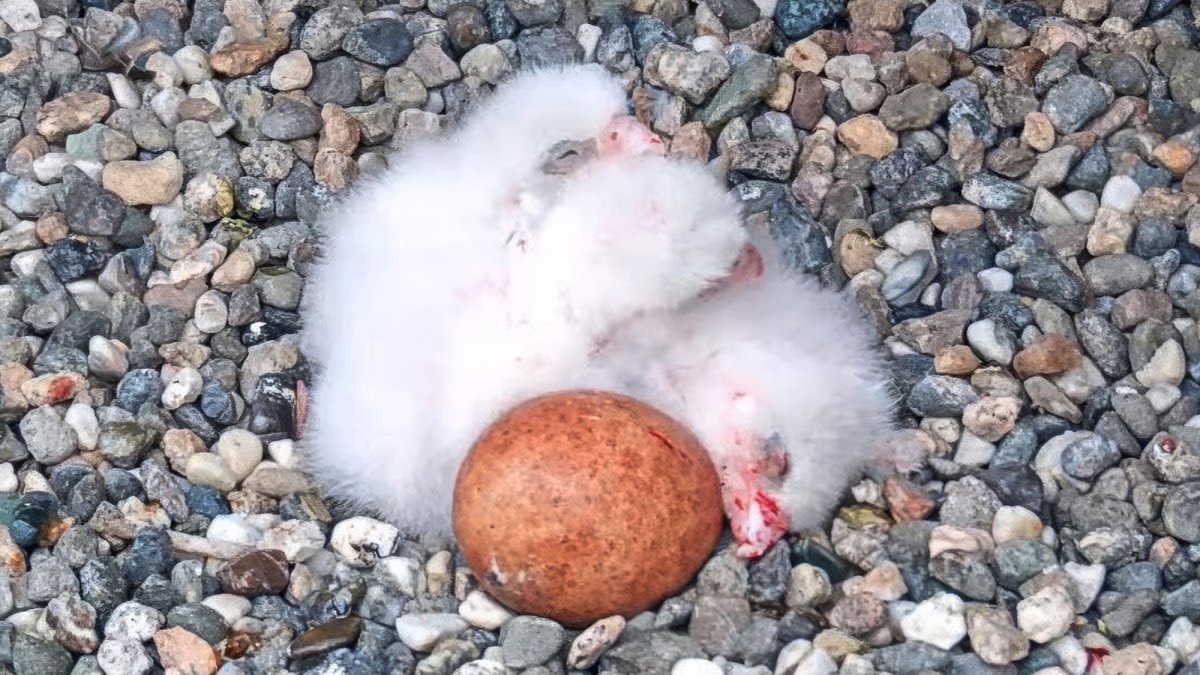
x=1011, y=189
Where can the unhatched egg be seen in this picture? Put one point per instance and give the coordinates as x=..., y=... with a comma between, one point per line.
x=583, y=504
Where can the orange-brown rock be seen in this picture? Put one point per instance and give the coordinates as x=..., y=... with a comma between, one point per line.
x=1048, y=355
x=955, y=360
x=579, y=505
x=184, y=653
x=906, y=500
x=246, y=56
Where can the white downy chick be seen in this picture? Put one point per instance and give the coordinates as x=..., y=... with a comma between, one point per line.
x=433, y=214
x=427, y=320
x=778, y=378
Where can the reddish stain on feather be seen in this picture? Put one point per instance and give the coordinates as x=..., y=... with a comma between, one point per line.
x=1094, y=656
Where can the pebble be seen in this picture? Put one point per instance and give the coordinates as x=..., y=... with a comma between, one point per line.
x=123, y=656
x=1072, y=102
x=529, y=641
x=360, y=540
x=481, y=611
x=938, y=621
x=696, y=667
x=947, y=18
x=1046, y=615
x=1018, y=189
x=590, y=645
x=420, y=632
x=1120, y=194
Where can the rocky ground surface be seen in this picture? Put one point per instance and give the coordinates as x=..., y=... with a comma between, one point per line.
x=1010, y=189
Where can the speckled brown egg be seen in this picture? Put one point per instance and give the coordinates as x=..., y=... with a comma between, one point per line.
x=584, y=504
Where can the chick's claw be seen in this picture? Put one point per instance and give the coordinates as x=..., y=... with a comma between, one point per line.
x=756, y=524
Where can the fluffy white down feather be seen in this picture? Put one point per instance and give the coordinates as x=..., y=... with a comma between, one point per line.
x=804, y=351
x=414, y=361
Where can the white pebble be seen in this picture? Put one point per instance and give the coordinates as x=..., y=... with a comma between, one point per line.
x=230, y=607
x=981, y=336
x=481, y=611
x=123, y=657
x=291, y=71
x=439, y=573
x=1046, y=614
x=996, y=280
x=1086, y=579
x=909, y=237
x=1184, y=639
x=89, y=295
x=589, y=37
x=20, y=15
x=242, y=450
x=973, y=450
x=31, y=622
x=206, y=468
x=82, y=418
x=1082, y=204
x=938, y=621
x=1167, y=366
x=106, y=358
x=696, y=667
x=283, y=452
x=360, y=540
x=707, y=43
x=402, y=575
x=233, y=528
x=801, y=657
x=420, y=632
x=297, y=539
x=133, y=621
x=1012, y=523
x=183, y=388
x=1120, y=193
x=193, y=64
x=212, y=314
x=1072, y=657
x=8, y=478
x=1163, y=396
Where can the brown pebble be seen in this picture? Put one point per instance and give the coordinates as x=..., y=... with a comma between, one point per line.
x=956, y=217
x=1048, y=355
x=883, y=15
x=261, y=572
x=51, y=227
x=1038, y=132
x=340, y=632
x=906, y=500
x=184, y=653
x=858, y=614
x=808, y=102
x=692, y=141
x=246, y=56
x=867, y=135
x=71, y=113
x=955, y=360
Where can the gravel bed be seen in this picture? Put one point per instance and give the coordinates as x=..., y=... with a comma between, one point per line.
x=1011, y=189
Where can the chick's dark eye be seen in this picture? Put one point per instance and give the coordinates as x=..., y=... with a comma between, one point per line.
x=613, y=136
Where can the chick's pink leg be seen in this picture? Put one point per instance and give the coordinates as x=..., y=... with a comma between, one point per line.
x=752, y=464
x=625, y=135
x=749, y=265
